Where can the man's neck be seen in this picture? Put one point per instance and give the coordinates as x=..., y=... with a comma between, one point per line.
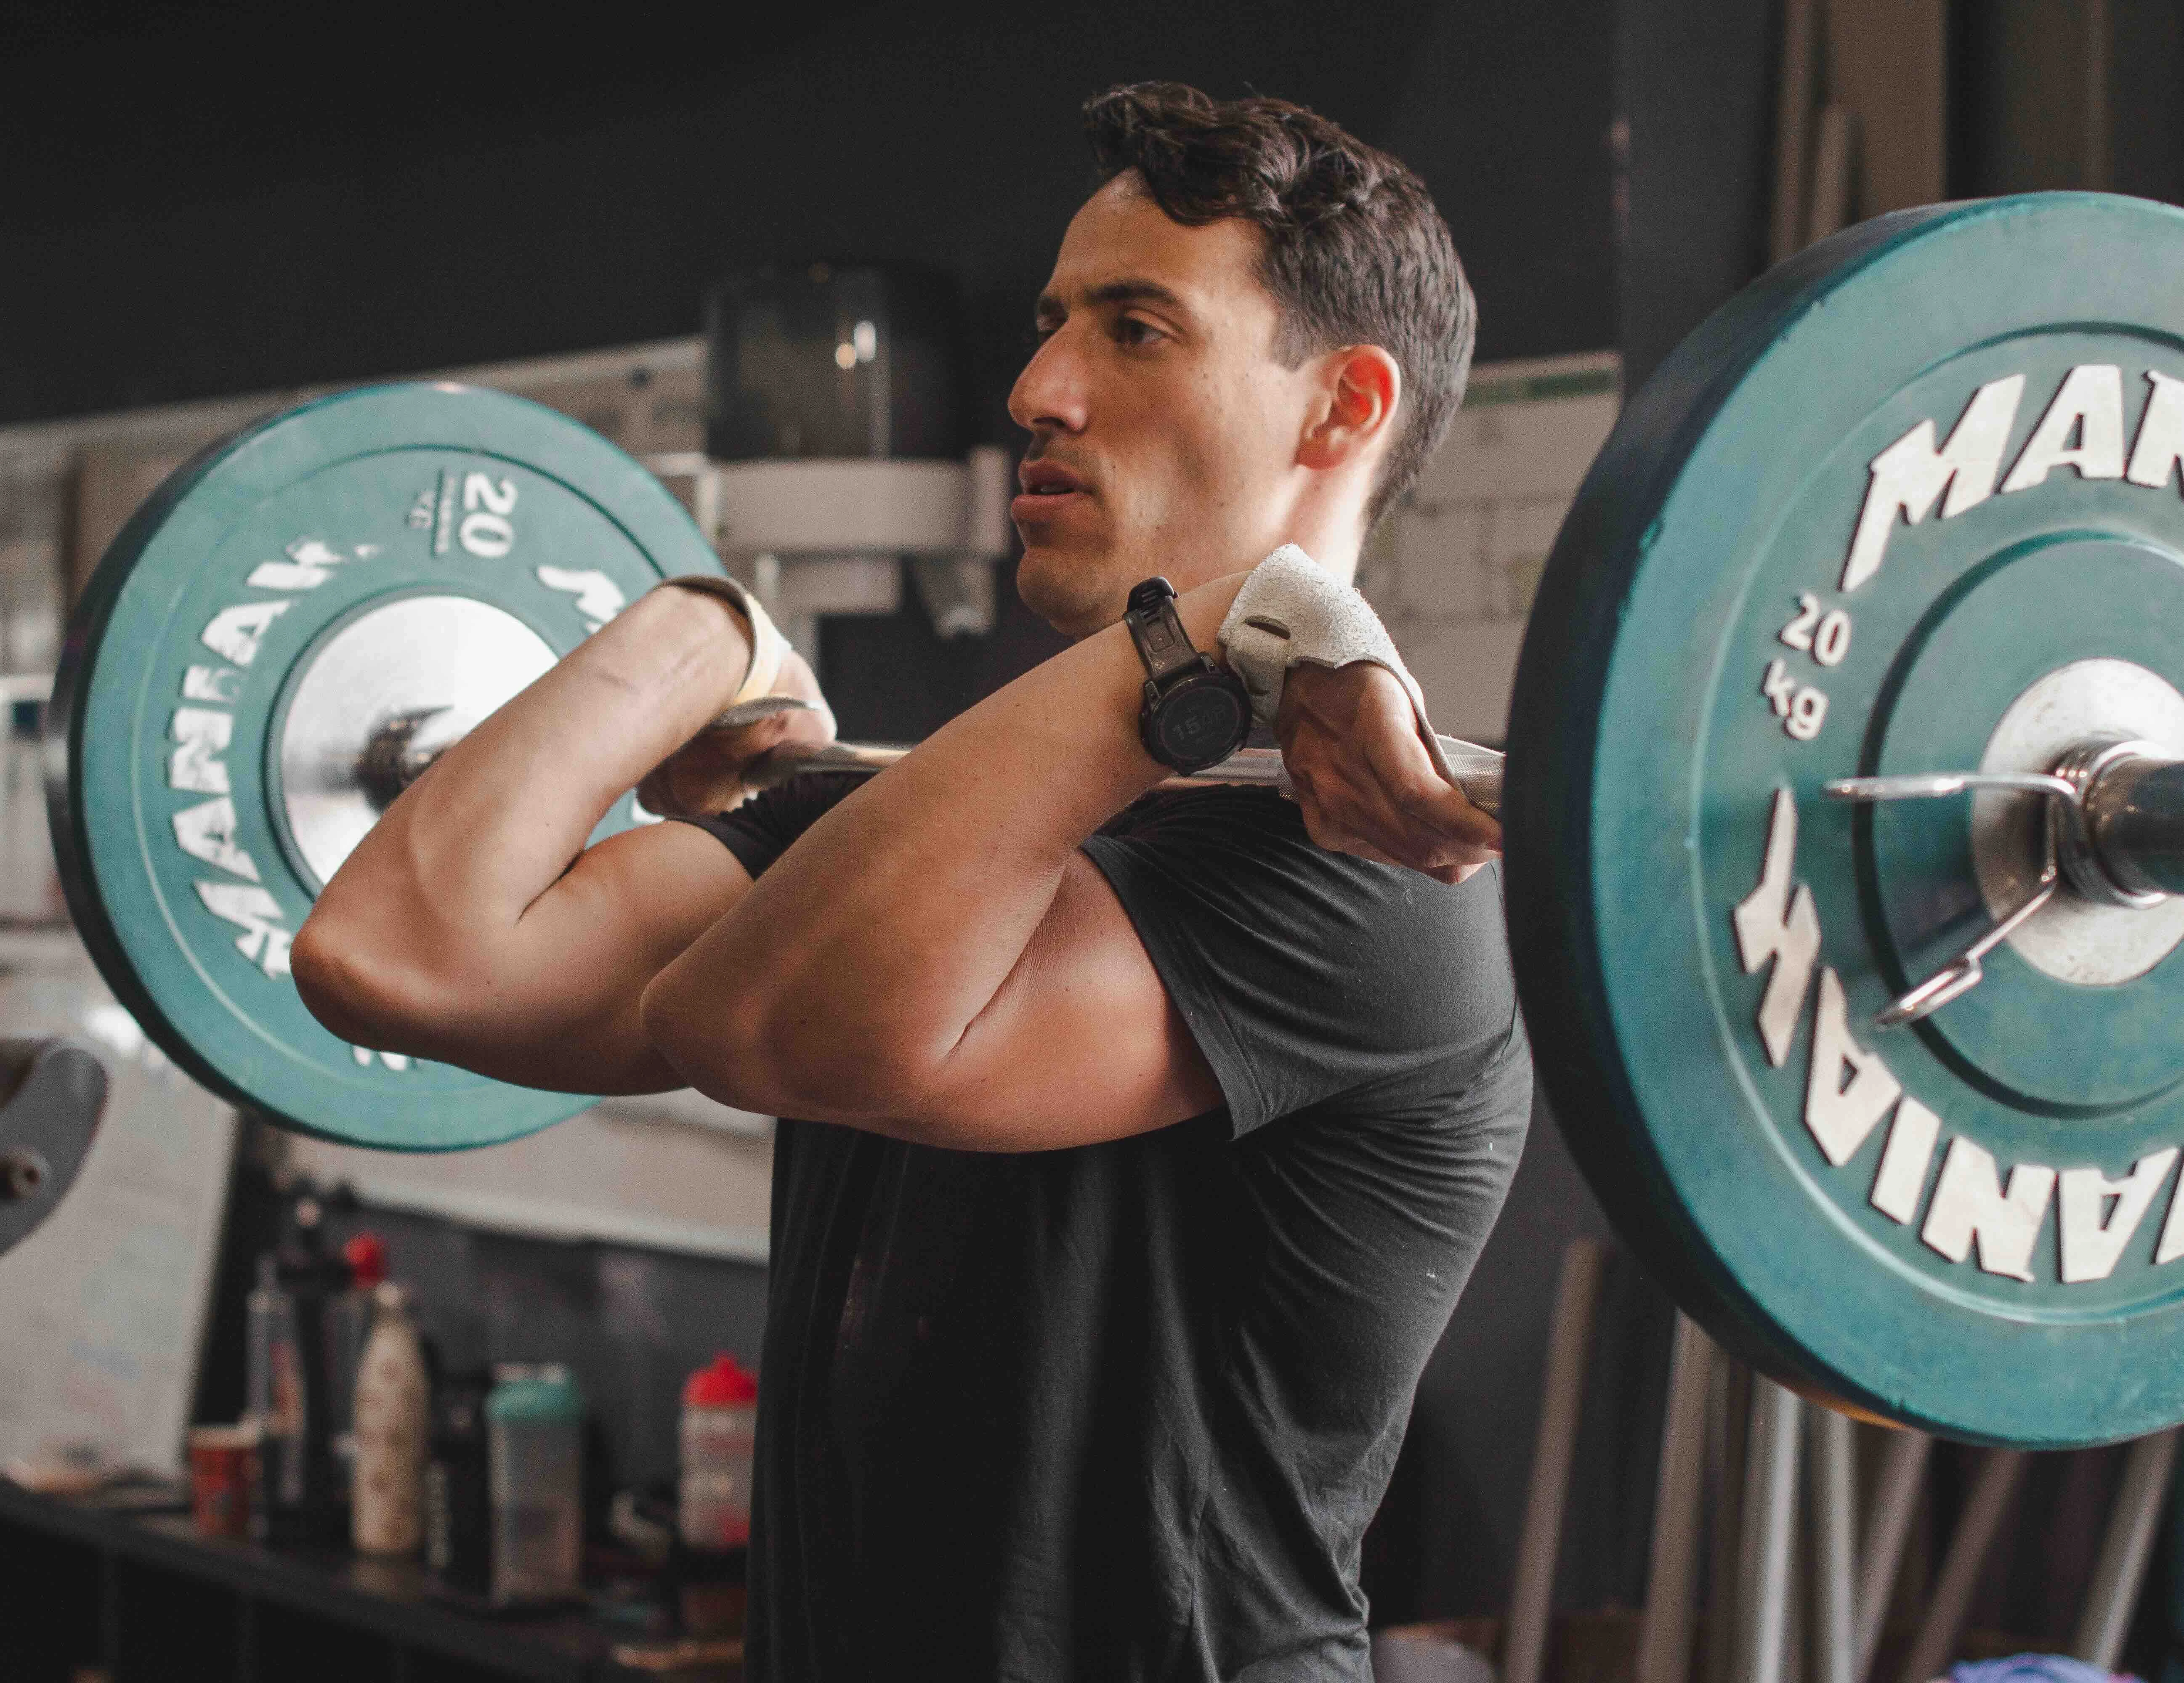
x=1331, y=530
x=1335, y=553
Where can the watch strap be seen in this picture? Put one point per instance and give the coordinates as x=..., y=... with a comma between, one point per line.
x=1157, y=628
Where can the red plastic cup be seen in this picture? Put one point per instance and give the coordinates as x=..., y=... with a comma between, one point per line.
x=223, y=1465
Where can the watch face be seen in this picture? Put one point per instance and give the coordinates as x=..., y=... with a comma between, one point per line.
x=1201, y=724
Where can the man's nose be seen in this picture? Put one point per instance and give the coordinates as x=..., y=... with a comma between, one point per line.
x=1049, y=395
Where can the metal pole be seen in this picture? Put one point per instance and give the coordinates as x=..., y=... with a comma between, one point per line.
x=2123, y=1550
x=1834, y=1542
x=1665, y=1646
x=1895, y=1500
x=2098, y=159
x=1770, y=1513
x=1793, y=118
x=1834, y=173
x=1729, y=1421
x=1569, y=1340
x=1945, y=1615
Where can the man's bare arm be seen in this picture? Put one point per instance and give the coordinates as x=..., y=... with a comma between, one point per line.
x=937, y=959
x=472, y=926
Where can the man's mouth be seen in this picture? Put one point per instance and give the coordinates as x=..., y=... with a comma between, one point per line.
x=1048, y=487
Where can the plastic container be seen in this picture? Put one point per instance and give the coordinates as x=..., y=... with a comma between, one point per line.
x=284, y=1395
x=288, y=1386
x=458, y=1499
x=223, y=1467
x=720, y=1423
x=393, y=1397
x=534, y=1430
x=349, y=1327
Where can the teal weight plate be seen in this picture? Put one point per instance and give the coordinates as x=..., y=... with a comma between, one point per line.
x=1971, y=1225
x=240, y=632
x=2105, y=1054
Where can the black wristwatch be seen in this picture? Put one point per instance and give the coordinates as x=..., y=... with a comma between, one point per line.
x=1195, y=713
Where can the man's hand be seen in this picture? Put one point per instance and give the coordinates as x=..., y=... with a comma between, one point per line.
x=1364, y=781
x=705, y=775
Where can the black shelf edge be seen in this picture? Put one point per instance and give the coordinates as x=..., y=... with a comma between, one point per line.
x=385, y=1597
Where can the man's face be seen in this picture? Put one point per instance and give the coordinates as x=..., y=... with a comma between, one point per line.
x=1164, y=433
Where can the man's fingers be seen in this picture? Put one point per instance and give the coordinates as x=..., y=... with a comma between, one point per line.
x=1444, y=808
x=705, y=774
x=1336, y=839
x=1410, y=809
x=1430, y=862
x=1365, y=781
x=1365, y=820
x=1406, y=773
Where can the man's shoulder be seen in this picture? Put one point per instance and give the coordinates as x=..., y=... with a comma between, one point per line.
x=1239, y=842
x=1302, y=972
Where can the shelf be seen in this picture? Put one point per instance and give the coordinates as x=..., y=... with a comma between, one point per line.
x=325, y=1599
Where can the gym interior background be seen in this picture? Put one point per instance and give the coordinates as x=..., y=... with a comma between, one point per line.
x=203, y=213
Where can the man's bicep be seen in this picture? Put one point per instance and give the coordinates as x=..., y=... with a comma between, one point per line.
x=564, y=1011
x=639, y=898
x=1081, y=1043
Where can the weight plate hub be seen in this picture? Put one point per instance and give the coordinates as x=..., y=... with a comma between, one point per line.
x=276, y=642
x=1909, y=504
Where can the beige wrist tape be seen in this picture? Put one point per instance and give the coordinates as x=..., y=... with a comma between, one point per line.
x=1292, y=610
x=767, y=644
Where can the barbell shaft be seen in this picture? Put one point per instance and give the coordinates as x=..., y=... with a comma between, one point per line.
x=390, y=765
x=1477, y=769
x=2137, y=812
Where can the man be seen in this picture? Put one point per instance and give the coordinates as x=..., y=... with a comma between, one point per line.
x=1145, y=1140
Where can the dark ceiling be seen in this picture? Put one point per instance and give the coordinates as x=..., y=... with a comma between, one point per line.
x=203, y=199
x=111, y=106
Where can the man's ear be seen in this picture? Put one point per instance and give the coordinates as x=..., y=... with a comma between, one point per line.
x=1360, y=386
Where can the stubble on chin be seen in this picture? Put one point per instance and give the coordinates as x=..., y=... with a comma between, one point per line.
x=1070, y=592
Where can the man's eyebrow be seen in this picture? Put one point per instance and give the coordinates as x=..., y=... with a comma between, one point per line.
x=1131, y=290
x=1126, y=291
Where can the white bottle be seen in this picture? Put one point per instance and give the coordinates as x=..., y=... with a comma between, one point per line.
x=392, y=1399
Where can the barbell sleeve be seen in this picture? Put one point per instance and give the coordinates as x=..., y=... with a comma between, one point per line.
x=2135, y=810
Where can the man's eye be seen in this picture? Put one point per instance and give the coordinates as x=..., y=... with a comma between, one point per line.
x=1130, y=330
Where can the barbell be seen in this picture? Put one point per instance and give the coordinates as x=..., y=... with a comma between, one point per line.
x=1844, y=816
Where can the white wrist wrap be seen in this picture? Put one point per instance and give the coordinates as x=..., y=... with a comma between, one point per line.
x=1291, y=610
x=767, y=644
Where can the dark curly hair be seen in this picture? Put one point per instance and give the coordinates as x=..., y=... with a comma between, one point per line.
x=1355, y=251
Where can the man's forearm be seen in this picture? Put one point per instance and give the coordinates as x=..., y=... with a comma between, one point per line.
x=841, y=985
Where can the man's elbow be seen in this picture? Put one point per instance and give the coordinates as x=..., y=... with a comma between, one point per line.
x=713, y=1044
x=759, y=1052
x=696, y=1044
x=354, y=991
